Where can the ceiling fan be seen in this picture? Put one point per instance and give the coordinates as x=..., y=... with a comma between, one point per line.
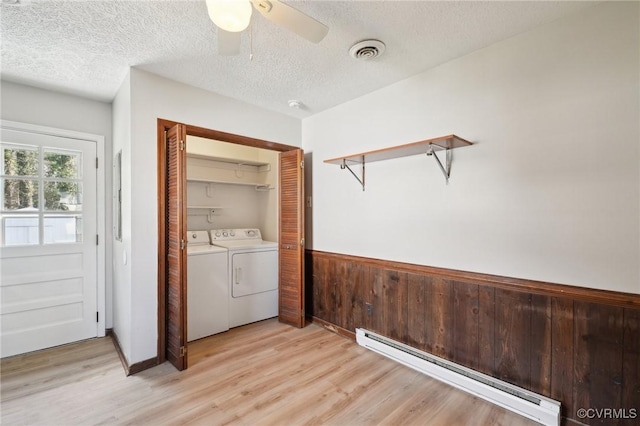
x=233, y=16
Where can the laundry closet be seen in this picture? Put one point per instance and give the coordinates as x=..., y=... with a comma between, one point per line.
x=232, y=224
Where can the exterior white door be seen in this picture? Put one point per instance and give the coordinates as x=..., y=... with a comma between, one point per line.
x=48, y=241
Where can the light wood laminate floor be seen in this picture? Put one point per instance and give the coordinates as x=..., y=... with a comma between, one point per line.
x=265, y=373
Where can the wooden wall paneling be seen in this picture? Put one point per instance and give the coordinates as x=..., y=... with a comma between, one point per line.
x=540, y=344
x=366, y=293
x=563, y=342
x=416, y=311
x=512, y=332
x=598, y=355
x=342, y=291
x=562, y=354
x=354, y=297
x=395, y=305
x=321, y=309
x=486, y=329
x=631, y=361
x=309, y=283
x=465, y=324
x=376, y=276
x=440, y=315
x=606, y=297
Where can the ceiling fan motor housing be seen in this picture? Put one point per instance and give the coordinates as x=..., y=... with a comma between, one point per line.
x=367, y=49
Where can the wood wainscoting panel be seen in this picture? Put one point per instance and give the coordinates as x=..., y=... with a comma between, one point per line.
x=576, y=345
x=562, y=354
x=417, y=311
x=540, y=344
x=440, y=320
x=631, y=359
x=465, y=323
x=598, y=355
x=511, y=340
x=486, y=329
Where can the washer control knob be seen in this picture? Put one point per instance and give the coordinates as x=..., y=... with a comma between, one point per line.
x=218, y=234
x=225, y=234
x=233, y=234
x=251, y=233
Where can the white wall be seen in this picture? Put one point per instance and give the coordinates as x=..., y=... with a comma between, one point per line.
x=240, y=206
x=121, y=249
x=153, y=97
x=46, y=108
x=550, y=191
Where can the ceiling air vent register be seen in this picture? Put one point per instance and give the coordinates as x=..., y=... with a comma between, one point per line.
x=367, y=49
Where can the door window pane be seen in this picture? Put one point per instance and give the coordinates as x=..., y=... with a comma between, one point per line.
x=20, y=160
x=20, y=194
x=41, y=195
x=19, y=230
x=62, y=229
x=62, y=164
x=62, y=196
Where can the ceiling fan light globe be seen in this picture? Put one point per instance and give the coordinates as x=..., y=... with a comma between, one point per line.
x=230, y=15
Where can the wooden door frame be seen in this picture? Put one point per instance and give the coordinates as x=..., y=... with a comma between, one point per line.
x=162, y=126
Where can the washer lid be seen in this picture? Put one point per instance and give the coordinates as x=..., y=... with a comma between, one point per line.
x=204, y=249
x=246, y=244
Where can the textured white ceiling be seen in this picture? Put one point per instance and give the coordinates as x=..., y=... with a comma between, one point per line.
x=86, y=47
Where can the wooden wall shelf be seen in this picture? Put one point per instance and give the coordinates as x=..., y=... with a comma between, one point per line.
x=427, y=146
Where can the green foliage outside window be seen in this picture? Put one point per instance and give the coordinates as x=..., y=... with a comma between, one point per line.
x=21, y=192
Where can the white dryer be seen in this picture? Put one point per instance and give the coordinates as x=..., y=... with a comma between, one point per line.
x=253, y=274
x=207, y=287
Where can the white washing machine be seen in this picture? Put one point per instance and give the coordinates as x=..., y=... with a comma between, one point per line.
x=207, y=287
x=253, y=274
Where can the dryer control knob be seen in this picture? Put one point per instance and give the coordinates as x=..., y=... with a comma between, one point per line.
x=217, y=234
x=225, y=234
x=233, y=234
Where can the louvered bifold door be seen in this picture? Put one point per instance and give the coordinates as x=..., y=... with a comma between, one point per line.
x=291, y=239
x=176, y=309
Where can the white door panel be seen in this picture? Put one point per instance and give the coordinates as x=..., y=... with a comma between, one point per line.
x=254, y=272
x=207, y=295
x=48, y=259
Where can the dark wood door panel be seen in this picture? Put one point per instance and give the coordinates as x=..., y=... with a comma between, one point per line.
x=291, y=239
x=176, y=311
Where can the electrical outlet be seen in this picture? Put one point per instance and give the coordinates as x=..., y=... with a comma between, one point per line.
x=369, y=308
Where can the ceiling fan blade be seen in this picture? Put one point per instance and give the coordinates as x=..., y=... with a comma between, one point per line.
x=292, y=19
x=228, y=42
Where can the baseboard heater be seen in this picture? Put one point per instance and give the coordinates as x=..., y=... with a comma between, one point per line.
x=521, y=401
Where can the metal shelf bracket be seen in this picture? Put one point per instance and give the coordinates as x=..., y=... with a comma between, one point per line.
x=360, y=178
x=446, y=171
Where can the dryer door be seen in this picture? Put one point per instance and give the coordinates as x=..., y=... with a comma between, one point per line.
x=254, y=272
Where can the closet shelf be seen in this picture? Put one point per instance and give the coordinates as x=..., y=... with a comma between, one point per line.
x=427, y=146
x=260, y=166
x=258, y=186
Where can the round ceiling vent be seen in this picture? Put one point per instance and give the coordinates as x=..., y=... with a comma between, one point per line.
x=367, y=49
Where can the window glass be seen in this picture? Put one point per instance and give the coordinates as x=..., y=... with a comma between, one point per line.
x=62, y=229
x=20, y=194
x=20, y=160
x=62, y=164
x=62, y=196
x=20, y=230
